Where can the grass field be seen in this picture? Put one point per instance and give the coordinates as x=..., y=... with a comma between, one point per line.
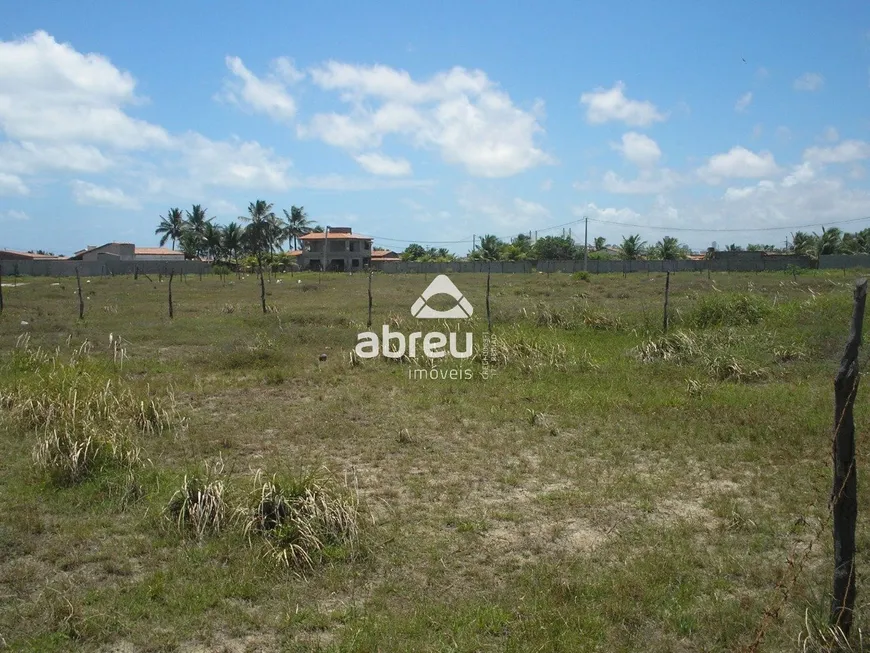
x=606, y=489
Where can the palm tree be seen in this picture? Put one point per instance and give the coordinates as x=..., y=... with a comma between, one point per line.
x=191, y=244
x=260, y=218
x=632, y=248
x=490, y=247
x=231, y=241
x=212, y=240
x=298, y=225
x=830, y=242
x=172, y=227
x=803, y=243
x=196, y=219
x=600, y=243
x=669, y=249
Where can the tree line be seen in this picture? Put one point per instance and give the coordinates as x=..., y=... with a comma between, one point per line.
x=522, y=248
x=258, y=234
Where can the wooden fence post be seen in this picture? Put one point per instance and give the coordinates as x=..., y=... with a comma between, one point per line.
x=369, y=322
x=1, y=288
x=488, y=316
x=667, y=293
x=81, y=299
x=262, y=290
x=844, y=493
x=171, y=274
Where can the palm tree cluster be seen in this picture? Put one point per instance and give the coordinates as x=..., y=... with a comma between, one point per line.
x=415, y=252
x=831, y=241
x=259, y=233
x=522, y=248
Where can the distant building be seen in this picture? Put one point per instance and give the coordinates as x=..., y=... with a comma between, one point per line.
x=107, y=252
x=12, y=255
x=385, y=255
x=126, y=252
x=157, y=254
x=346, y=251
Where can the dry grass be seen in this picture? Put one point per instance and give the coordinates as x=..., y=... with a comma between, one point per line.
x=200, y=505
x=304, y=520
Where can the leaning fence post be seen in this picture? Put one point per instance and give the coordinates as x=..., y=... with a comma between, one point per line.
x=667, y=293
x=369, y=323
x=81, y=299
x=844, y=493
x=488, y=316
x=171, y=274
x=262, y=290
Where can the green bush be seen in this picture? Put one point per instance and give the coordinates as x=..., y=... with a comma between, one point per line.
x=582, y=276
x=728, y=309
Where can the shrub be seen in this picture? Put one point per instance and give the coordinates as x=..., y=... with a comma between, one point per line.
x=304, y=520
x=200, y=504
x=728, y=309
x=582, y=276
x=221, y=270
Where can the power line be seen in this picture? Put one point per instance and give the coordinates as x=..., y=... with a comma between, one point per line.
x=741, y=230
x=635, y=226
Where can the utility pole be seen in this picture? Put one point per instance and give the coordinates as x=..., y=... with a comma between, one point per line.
x=325, y=245
x=473, y=242
x=586, y=244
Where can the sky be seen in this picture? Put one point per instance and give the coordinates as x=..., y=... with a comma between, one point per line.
x=735, y=122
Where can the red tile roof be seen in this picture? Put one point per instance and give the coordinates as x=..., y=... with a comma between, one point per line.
x=157, y=251
x=337, y=236
x=31, y=255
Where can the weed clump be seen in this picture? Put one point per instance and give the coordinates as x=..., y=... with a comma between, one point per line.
x=729, y=310
x=200, y=505
x=304, y=520
x=84, y=419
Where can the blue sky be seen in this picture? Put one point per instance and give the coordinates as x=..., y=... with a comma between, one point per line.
x=432, y=122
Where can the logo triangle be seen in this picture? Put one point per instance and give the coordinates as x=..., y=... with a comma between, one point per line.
x=442, y=285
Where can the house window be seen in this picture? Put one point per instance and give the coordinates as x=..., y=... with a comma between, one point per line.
x=355, y=263
x=367, y=244
x=352, y=246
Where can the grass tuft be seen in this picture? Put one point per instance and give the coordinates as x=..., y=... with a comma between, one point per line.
x=200, y=504
x=304, y=520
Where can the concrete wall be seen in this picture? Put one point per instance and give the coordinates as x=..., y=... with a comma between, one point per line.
x=595, y=266
x=835, y=261
x=99, y=268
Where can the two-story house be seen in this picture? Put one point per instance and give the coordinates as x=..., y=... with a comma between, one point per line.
x=344, y=251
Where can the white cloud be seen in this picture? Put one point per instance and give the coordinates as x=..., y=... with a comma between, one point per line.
x=338, y=182
x=29, y=158
x=89, y=194
x=12, y=185
x=237, y=164
x=381, y=164
x=648, y=182
x=744, y=102
x=12, y=215
x=501, y=215
x=809, y=82
x=611, y=105
x=641, y=150
x=461, y=113
x=844, y=152
x=738, y=162
x=51, y=92
x=267, y=95
x=831, y=135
